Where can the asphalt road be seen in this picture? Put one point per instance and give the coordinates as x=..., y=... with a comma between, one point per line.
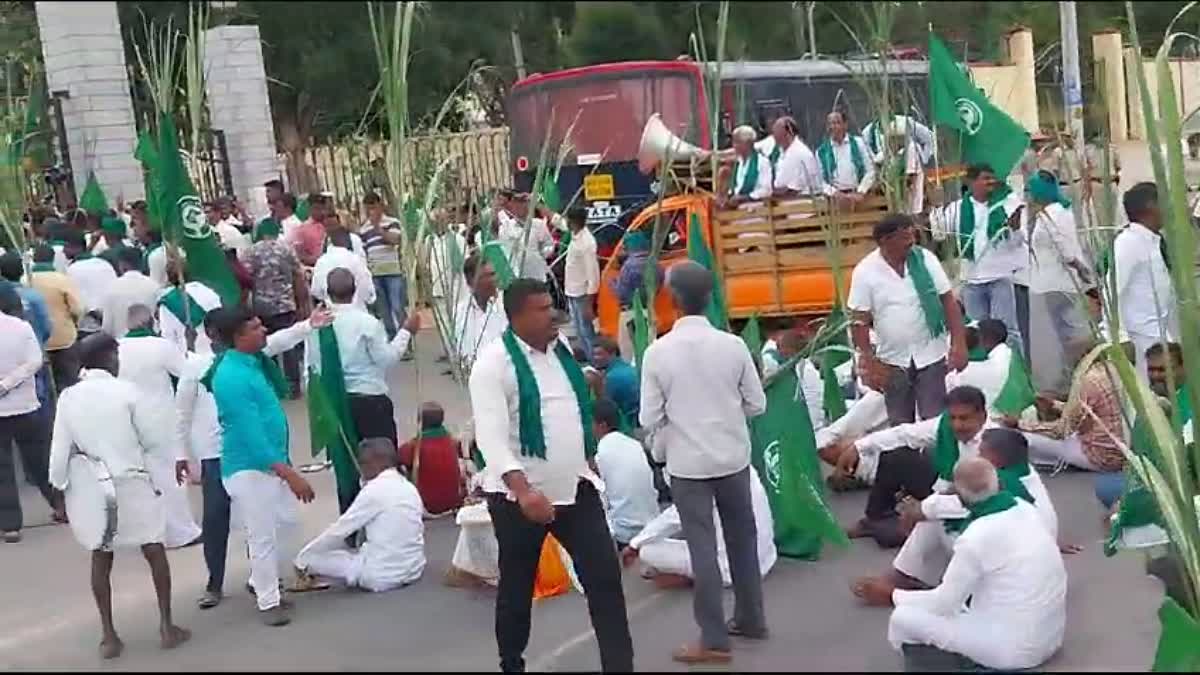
x=48, y=619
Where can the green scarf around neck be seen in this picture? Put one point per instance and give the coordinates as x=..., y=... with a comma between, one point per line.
x=776, y=152
x=435, y=432
x=997, y=503
x=829, y=159
x=977, y=355
x=270, y=369
x=141, y=332
x=750, y=179
x=176, y=299
x=931, y=302
x=1010, y=482
x=945, y=449
x=42, y=267
x=996, y=222
x=529, y=399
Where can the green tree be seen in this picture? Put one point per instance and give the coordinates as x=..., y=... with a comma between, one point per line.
x=616, y=31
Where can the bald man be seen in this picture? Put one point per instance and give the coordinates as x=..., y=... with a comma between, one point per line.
x=388, y=511
x=432, y=460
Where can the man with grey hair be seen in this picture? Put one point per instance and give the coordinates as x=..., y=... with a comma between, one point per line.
x=1009, y=566
x=752, y=172
x=699, y=385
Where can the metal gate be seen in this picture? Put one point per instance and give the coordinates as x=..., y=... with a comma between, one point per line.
x=209, y=166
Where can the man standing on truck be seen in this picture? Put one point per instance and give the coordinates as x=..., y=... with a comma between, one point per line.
x=846, y=163
x=752, y=173
x=797, y=172
x=892, y=285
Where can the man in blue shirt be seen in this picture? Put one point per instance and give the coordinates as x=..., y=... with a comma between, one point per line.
x=620, y=379
x=255, y=466
x=630, y=283
x=36, y=312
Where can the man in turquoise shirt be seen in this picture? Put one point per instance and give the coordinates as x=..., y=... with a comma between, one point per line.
x=620, y=379
x=255, y=467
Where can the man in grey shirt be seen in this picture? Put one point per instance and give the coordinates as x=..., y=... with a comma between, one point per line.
x=699, y=385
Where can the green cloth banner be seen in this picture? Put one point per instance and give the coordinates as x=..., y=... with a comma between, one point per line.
x=330, y=425
x=93, y=199
x=699, y=252
x=1018, y=393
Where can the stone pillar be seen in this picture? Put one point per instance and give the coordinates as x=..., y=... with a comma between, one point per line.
x=238, y=105
x=1020, y=54
x=85, y=57
x=1137, y=121
x=1110, y=76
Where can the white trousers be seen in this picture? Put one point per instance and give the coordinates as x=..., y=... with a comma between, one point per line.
x=181, y=528
x=1046, y=450
x=975, y=637
x=926, y=552
x=266, y=507
x=670, y=556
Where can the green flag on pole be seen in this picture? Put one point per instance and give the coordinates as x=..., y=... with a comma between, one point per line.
x=699, y=252
x=1017, y=394
x=93, y=199
x=784, y=451
x=548, y=192
x=330, y=424
x=752, y=336
x=987, y=134
x=641, y=332
x=1179, y=643
x=183, y=222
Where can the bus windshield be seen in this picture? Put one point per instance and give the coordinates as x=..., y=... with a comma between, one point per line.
x=605, y=112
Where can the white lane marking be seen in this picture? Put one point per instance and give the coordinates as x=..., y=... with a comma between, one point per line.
x=543, y=664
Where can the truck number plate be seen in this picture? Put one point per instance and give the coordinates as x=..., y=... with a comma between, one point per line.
x=598, y=186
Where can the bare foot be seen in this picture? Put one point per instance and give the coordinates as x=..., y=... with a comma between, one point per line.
x=671, y=581
x=173, y=636
x=111, y=648
x=1067, y=548
x=858, y=530
x=859, y=585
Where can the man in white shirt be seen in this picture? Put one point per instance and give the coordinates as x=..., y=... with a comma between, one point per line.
x=752, y=172
x=790, y=343
x=447, y=250
x=92, y=276
x=629, y=492
x=581, y=278
x=664, y=554
x=909, y=459
x=149, y=362
x=699, y=386
x=901, y=291
x=388, y=511
x=111, y=423
x=22, y=423
x=531, y=408
x=340, y=254
x=918, y=134
x=480, y=319
x=173, y=320
x=228, y=229
x=283, y=210
x=366, y=355
x=130, y=289
x=797, y=171
x=986, y=225
x=1145, y=294
x=846, y=163
x=1009, y=567
x=527, y=251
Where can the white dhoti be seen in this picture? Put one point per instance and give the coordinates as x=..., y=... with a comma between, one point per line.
x=975, y=637
x=926, y=552
x=181, y=528
x=477, y=551
x=140, y=515
x=266, y=508
x=352, y=568
x=1046, y=450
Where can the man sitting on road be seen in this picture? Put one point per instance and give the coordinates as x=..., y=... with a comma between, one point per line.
x=630, y=498
x=620, y=379
x=388, y=511
x=432, y=461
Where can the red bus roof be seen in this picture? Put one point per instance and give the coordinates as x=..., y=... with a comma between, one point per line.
x=539, y=78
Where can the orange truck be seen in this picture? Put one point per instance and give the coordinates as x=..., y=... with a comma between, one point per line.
x=773, y=257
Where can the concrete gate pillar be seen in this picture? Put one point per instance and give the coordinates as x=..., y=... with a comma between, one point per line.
x=1110, y=79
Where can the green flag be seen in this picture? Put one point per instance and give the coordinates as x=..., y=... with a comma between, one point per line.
x=183, y=222
x=146, y=153
x=548, y=192
x=330, y=424
x=784, y=451
x=987, y=134
x=835, y=350
x=641, y=332
x=1017, y=394
x=1179, y=642
x=93, y=200
x=752, y=336
x=699, y=252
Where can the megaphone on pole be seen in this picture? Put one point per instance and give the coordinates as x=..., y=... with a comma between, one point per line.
x=659, y=144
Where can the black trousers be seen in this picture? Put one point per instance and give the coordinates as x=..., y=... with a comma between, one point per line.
x=31, y=434
x=64, y=365
x=583, y=531
x=904, y=471
x=292, y=357
x=215, y=522
x=374, y=416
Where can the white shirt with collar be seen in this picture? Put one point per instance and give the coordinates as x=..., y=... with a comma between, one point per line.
x=895, y=309
x=445, y=267
x=93, y=277
x=156, y=262
x=335, y=257
x=988, y=376
x=1013, y=573
x=798, y=169
x=364, y=349
x=845, y=176
x=477, y=326
x=762, y=186
x=996, y=259
x=493, y=387
x=20, y=361
x=171, y=328
x=232, y=237
x=388, y=509
x=699, y=386
x=630, y=495
x=581, y=269
x=916, y=435
x=1145, y=294
x=131, y=288
x=526, y=255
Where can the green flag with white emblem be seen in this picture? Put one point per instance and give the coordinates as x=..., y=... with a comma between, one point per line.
x=182, y=218
x=987, y=134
